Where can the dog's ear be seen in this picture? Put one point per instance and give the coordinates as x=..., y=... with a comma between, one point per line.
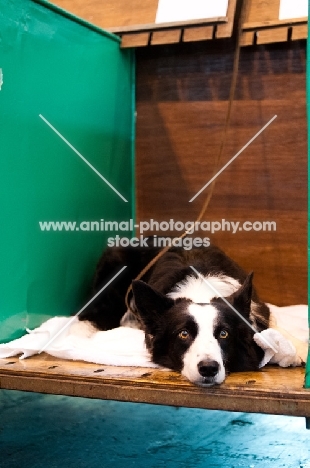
x=241, y=299
x=151, y=304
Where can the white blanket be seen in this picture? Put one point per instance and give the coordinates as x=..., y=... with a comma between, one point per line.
x=286, y=343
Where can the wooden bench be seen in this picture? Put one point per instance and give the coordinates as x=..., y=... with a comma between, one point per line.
x=272, y=390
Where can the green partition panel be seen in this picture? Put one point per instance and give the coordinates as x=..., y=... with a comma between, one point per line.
x=307, y=383
x=66, y=141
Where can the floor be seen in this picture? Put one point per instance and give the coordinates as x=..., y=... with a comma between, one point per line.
x=56, y=431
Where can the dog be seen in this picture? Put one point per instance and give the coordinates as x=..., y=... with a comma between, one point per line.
x=198, y=309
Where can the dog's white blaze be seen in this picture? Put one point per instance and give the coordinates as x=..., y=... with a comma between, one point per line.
x=197, y=290
x=205, y=346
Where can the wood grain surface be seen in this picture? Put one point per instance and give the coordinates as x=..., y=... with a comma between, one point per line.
x=272, y=390
x=132, y=18
x=182, y=99
x=265, y=12
x=262, y=20
x=122, y=16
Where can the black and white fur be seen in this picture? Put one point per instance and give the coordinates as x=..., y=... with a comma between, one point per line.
x=188, y=328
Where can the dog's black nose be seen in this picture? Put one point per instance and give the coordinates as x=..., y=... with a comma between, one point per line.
x=208, y=368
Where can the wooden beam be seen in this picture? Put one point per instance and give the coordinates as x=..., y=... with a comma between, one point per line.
x=200, y=33
x=272, y=23
x=225, y=30
x=299, y=31
x=267, y=36
x=135, y=40
x=166, y=37
x=247, y=38
x=168, y=26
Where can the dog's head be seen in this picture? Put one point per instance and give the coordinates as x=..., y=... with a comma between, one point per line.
x=203, y=341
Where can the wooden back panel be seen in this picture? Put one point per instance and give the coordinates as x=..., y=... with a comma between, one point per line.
x=262, y=24
x=182, y=98
x=135, y=21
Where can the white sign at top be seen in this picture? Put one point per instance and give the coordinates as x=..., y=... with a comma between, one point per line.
x=293, y=9
x=169, y=11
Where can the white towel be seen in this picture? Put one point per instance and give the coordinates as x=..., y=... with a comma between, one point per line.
x=286, y=343
x=77, y=340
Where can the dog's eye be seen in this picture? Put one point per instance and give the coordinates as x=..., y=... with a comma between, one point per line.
x=223, y=334
x=184, y=335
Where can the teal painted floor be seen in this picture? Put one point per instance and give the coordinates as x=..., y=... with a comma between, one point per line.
x=47, y=431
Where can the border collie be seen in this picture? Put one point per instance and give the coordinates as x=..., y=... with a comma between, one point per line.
x=188, y=325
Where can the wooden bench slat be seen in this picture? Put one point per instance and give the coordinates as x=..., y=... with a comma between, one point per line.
x=272, y=390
